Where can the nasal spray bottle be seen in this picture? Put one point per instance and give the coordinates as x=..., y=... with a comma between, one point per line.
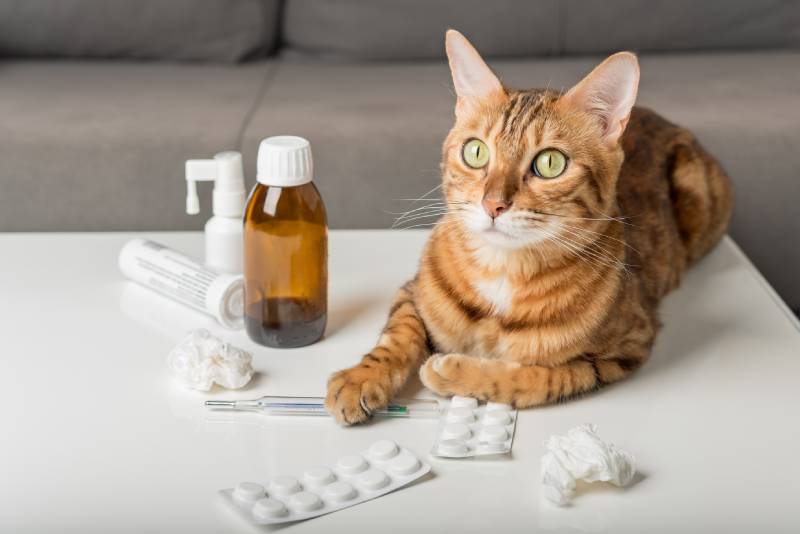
x=223, y=231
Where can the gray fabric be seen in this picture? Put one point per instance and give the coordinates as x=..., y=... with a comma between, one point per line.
x=414, y=29
x=595, y=26
x=376, y=132
x=211, y=30
x=101, y=146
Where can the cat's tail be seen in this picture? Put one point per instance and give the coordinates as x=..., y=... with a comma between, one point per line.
x=702, y=197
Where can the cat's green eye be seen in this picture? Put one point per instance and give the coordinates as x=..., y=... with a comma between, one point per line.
x=475, y=153
x=549, y=163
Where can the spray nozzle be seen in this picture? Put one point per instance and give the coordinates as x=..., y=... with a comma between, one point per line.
x=225, y=170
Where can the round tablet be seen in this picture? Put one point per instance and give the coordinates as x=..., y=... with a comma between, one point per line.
x=495, y=406
x=453, y=447
x=404, y=464
x=267, y=508
x=493, y=447
x=318, y=476
x=352, y=464
x=248, y=491
x=383, y=449
x=456, y=431
x=463, y=402
x=460, y=415
x=284, y=485
x=305, y=501
x=373, y=479
x=497, y=417
x=494, y=434
x=340, y=491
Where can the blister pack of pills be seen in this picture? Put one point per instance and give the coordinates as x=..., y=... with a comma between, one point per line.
x=355, y=478
x=468, y=429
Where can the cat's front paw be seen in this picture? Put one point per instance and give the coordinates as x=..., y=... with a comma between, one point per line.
x=354, y=394
x=451, y=374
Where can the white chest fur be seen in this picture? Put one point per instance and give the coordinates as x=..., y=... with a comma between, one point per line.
x=497, y=291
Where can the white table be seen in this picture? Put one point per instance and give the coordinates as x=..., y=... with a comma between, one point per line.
x=96, y=437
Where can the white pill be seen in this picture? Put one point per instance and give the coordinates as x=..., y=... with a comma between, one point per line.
x=373, y=479
x=453, y=447
x=340, y=491
x=496, y=417
x=495, y=406
x=305, y=501
x=460, y=415
x=248, y=491
x=404, y=464
x=352, y=464
x=493, y=447
x=284, y=485
x=383, y=450
x=456, y=431
x=318, y=476
x=463, y=402
x=267, y=508
x=494, y=434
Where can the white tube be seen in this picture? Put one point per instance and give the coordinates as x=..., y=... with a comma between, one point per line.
x=181, y=278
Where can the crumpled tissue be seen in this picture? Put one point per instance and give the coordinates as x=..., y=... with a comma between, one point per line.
x=581, y=455
x=202, y=359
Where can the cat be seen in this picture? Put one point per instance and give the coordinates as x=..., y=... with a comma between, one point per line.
x=569, y=217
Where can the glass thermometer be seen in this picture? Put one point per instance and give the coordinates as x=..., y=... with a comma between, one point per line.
x=269, y=405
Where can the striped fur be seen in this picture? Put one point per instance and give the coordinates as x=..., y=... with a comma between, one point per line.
x=563, y=297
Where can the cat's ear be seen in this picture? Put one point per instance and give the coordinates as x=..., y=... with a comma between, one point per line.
x=608, y=93
x=472, y=78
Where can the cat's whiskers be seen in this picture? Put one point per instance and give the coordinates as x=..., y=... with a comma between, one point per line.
x=440, y=213
x=571, y=249
x=600, y=234
x=403, y=214
x=436, y=213
x=445, y=219
x=596, y=256
x=622, y=220
x=579, y=230
x=592, y=244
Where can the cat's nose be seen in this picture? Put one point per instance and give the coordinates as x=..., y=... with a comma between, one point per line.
x=495, y=207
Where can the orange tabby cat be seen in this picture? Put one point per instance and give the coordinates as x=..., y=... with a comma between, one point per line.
x=570, y=217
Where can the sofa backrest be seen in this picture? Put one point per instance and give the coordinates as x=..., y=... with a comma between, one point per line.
x=205, y=30
x=414, y=29
x=233, y=30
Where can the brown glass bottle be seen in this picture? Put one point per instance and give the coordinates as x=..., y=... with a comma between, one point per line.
x=285, y=265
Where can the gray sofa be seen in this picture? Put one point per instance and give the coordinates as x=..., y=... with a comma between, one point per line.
x=102, y=101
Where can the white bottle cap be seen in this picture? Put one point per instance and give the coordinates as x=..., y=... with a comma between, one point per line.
x=285, y=161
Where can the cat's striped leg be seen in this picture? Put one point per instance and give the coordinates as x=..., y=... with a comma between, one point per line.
x=354, y=393
x=523, y=385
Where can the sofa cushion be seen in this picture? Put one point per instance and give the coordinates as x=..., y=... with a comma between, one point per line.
x=376, y=132
x=92, y=145
x=210, y=30
x=414, y=29
x=593, y=26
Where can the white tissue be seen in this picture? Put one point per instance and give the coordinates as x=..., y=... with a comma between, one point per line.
x=202, y=359
x=581, y=455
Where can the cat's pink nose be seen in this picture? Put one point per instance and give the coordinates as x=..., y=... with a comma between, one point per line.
x=495, y=207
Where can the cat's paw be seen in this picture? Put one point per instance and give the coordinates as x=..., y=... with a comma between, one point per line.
x=354, y=394
x=451, y=374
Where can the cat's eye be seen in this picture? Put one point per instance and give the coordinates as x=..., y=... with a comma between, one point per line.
x=549, y=163
x=475, y=153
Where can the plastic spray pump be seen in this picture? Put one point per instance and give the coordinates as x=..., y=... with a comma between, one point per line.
x=223, y=231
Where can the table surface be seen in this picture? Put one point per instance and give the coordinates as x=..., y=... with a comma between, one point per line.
x=98, y=437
